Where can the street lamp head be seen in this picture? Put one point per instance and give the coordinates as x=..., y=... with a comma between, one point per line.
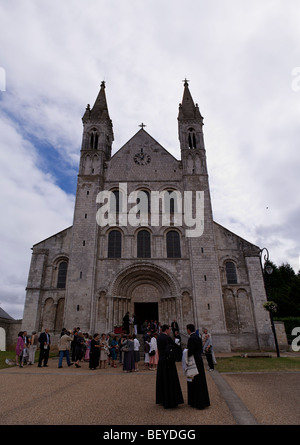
x=264, y=260
x=269, y=269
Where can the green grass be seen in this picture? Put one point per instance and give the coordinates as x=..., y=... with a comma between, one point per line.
x=230, y=364
x=262, y=364
x=12, y=355
x=4, y=355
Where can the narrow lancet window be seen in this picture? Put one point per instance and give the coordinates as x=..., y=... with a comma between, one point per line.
x=231, y=273
x=62, y=275
x=192, y=138
x=114, y=244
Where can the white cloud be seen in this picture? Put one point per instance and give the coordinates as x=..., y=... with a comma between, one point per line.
x=238, y=56
x=31, y=206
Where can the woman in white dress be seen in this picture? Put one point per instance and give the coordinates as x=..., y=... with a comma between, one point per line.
x=153, y=353
x=104, y=351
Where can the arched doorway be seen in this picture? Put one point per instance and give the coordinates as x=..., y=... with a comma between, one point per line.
x=145, y=311
x=143, y=289
x=145, y=300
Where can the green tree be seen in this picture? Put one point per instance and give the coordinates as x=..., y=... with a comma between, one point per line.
x=283, y=287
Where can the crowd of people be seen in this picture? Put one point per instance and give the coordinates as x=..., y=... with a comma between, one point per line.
x=161, y=352
x=104, y=350
x=100, y=351
x=26, y=348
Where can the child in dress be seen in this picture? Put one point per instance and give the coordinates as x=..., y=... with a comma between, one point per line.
x=25, y=356
x=146, y=352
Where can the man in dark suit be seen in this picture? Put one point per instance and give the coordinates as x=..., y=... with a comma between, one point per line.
x=198, y=396
x=44, y=340
x=168, y=390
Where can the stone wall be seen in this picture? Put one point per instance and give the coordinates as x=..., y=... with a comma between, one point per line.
x=281, y=335
x=11, y=329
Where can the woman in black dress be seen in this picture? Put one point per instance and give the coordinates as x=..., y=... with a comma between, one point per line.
x=168, y=390
x=95, y=352
x=126, y=323
x=197, y=389
x=79, y=349
x=128, y=361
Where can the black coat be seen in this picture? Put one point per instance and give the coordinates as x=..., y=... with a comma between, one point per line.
x=94, y=354
x=198, y=396
x=168, y=390
x=126, y=323
x=79, y=348
x=43, y=340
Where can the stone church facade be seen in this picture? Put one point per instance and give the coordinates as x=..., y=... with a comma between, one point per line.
x=143, y=240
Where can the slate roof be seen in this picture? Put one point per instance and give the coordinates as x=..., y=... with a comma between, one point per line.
x=4, y=314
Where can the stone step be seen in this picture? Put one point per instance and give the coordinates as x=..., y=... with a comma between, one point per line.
x=257, y=355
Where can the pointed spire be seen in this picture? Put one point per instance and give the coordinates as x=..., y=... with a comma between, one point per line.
x=187, y=108
x=99, y=110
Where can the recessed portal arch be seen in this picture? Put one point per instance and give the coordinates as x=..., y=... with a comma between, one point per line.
x=130, y=277
x=145, y=299
x=145, y=284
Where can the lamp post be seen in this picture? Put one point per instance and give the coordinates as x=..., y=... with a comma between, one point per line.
x=269, y=306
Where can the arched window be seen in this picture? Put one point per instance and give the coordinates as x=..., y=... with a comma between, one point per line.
x=143, y=199
x=192, y=138
x=143, y=207
x=143, y=244
x=173, y=244
x=171, y=204
x=94, y=139
x=62, y=275
x=114, y=244
x=116, y=202
x=231, y=273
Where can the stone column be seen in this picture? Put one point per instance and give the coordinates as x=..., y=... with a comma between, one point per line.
x=261, y=316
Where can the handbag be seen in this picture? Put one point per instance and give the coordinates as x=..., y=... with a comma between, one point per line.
x=125, y=349
x=189, y=366
x=151, y=353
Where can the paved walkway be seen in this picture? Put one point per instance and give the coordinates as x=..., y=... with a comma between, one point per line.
x=70, y=396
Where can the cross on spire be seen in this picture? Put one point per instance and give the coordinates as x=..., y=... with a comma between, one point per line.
x=186, y=82
x=142, y=125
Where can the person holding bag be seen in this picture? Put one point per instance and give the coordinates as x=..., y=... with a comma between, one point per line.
x=153, y=353
x=197, y=388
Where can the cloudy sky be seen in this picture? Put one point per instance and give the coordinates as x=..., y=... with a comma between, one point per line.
x=243, y=62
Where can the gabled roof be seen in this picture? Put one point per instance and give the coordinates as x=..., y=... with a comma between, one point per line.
x=4, y=314
x=148, y=137
x=243, y=240
x=55, y=234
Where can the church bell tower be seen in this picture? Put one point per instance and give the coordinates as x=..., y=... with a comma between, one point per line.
x=97, y=136
x=95, y=152
x=190, y=125
x=206, y=284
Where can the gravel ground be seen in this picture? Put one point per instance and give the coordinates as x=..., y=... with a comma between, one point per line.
x=70, y=396
x=272, y=398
